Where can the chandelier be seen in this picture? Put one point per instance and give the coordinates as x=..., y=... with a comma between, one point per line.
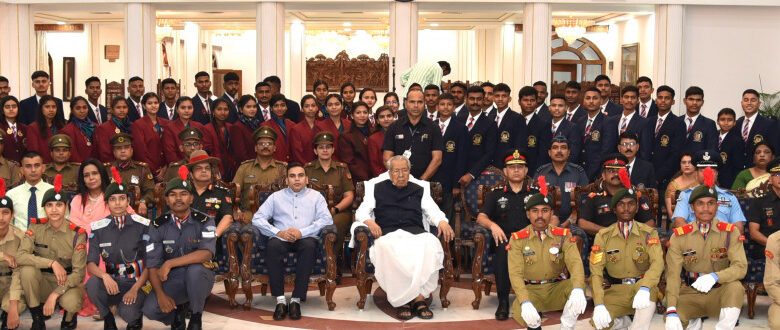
x=571, y=29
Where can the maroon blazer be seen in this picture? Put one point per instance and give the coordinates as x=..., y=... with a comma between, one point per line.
x=375, y=153
x=102, y=139
x=353, y=150
x=282, y=152
x=171, y=140
x=327, y=125
x=36, y=142
x=241, y=144
x=82, y=148
x=300, y=140
x=14, y=146
x=227, y=164
x=147, y=142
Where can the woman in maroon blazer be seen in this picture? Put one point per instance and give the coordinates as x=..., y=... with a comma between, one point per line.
x=81, y=131
x=241, y=144
x=281, y=126
x=46, y=125
x=336, y=124
x=109, y=128
x=219, y=129
x=384, y=117
x=147, y=135
x=302, y=133
x=14, y=133
x=353, y=144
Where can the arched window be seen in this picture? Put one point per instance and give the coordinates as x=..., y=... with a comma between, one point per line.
x=579, y=61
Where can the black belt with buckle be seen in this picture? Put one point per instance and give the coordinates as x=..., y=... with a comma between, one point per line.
x=6, y=274
x=49, y=270
x=116, y=271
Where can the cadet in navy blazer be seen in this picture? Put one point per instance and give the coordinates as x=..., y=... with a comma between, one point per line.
x=456, y=144
x=761, y=129
x=667, y=144
x=481, y=138
x=653, y=111
x=103, y=114
x=199, y=113
x=509, y=127
x=535, y=141
x=604, y=85
x=28, y=111
x=132, y=111
x=592, y=139
x=636, y=124
x=645, y=87
x=731, y=150
x=703, y=135
x=564, y=128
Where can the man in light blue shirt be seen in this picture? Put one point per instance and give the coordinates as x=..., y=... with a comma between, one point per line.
x=729, y=209
x=298, y=215
x=27, y=197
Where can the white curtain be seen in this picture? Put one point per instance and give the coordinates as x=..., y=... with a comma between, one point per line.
x=41, y=54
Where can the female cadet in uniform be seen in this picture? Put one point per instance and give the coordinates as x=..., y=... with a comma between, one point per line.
x=14, y=133
x=147, y=136
x=354, y=144
x=10, y=240
x=52, y=259
x=368, y=95
x=118, y=124
x=347, y=93
x=320, y=88
x=81, y=131
x=241, y=143
x=384, y=117
x=335, y=123
x=219, y=128
x=46, y=125
x=120, y=241
x=281, y=126
x=302, y=133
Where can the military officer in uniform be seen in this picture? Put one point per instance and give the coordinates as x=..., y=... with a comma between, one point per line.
x=710, y=255
x=132, y=172
x=190, y=141
x=772, y=278
x=545, y=268
x=263, y=170
x=503, y=213
x=9, y=169
x=628, y=255
x=326, y=171
x=59, y=146
x=179, y=258
x=120, y=240
x=52, y=261
x=10, y=287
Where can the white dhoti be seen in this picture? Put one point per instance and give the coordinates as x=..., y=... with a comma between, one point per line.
x=407, y=265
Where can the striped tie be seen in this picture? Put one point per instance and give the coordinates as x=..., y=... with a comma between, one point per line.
x=644, y=111
x=623, y=125
x=542, y=235
x=471, y=123
x=690, y=126
x=554, y=128
x=746, y=130
x=442, y=129
x=720, y=140
x=625, y=228
x=704, y=228
x=568, y=116
x=588, y=127
x=658, y=126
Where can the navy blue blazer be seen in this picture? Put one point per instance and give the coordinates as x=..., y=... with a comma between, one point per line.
x=535, y=142
x=666, y=147
x=233, y=111
x=573, y=135
x=591, y=156
x=199, y=114
x=162, y=112
x=509, y=132
x=643, y=173
x=132, y=111
x=703, y=135
x=579, y=114
x=453, y=160
x=103, y=114
x=637, y=125
x=653, y=111
x=463, y=115
x=544, y=113
x=763, y=129
x=731, y=151
x=28, y=110
x=613, y=109
x=481, y=141
x=293, y=111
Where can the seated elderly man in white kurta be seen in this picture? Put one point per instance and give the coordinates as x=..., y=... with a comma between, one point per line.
x=406, y=257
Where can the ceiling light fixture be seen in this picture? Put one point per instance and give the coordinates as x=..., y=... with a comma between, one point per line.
x=571, y=29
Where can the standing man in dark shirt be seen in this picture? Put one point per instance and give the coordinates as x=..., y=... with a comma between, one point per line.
x=503, y=213
x=481, y=138
x=416, y=138
x=293, y=109
x=507, y=122
x=763, y=212
x=537, y=130
x=28, y=108
x=592, y=127
x=563, y=174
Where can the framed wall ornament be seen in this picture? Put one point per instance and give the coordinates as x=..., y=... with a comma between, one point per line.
x=629, y=63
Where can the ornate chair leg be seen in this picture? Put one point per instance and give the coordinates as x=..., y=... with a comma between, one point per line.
x=476, y=287
x=231, y=283
x=477, y=277
x=246, y=269
x=488, y=286
x=330, y=287
x=360, y=269
x=752, y=291
x=321, y=286
x=264, y=289
x=332, y=270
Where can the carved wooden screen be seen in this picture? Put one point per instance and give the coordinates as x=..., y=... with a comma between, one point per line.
x=114, y=89
x=362, y=71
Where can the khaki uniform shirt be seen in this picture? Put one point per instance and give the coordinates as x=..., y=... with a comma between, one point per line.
x=137, y=173
x=618, y=257
x=9, y=245
x=67, y=245
x=251, y=173
x=721, y=252
x=173, y=170
x=9, y=171
x=772, y=278
x=69, y=173
x=337, y=176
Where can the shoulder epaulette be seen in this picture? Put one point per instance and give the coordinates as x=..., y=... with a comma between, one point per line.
x=281, y=162
x=139, y=219
x=39, y=220
x=247, y=161
x=341, y=164
x=724, y=226
x=521, y=234
x=106, y=164
x=309, y=164
x=141, y=163
x=558, y=231
x=683, y=230
x=161, y=220
x=499, y=187
x=198, y=216
x=100, y=223
x=76, y=228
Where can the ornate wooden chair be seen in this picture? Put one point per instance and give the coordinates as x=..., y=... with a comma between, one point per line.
x=754, y=278
x=364, y=269
x=324, y=272
x=482, y=271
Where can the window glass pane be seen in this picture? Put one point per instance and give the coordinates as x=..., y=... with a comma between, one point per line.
x=557, y=43
x=576, y=44
x=591, y=71
x=565, y=55
x=590, y=54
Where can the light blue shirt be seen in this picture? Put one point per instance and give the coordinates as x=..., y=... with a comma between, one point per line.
x=728, y=207
x=305, y=210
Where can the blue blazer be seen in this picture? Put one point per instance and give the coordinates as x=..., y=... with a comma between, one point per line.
x=637, y=125
x=28, y=110
x=509, y=132
x=703, y=135
x=456, y=146
x=653, y=111
x=199, y=113
x=103, y=114
x=579, y=114
x=574, y=135
x=591, y=156
x=613, y=109
x=481, y=141
x=763, y=129
x=132, y=111
x=732, y=154
x=666, y=147
x=293, y=111
x=534, y=142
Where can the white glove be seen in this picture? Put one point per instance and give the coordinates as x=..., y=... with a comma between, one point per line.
x=601, y=318
x=578, y=302
x=530, y=314
x=642, y=299
x=705, y=283
x=672, y=320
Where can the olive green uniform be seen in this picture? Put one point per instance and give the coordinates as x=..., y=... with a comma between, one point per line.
x=339, y=177
x=627, y=264
x=40, y=246
x=9, y=171
x=137, y=173
x=172, y=171
x=538, y=275
x=721, y=252
x=10, y=285
x=772, y=278
x=69, y=173
x=251, y=173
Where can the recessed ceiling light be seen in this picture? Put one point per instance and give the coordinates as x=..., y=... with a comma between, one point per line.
x=346, y=24
x=60, y=23
x=509, y=23
x=434, y=24
x=347, y=29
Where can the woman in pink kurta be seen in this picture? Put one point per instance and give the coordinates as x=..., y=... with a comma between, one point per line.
x=88, y=206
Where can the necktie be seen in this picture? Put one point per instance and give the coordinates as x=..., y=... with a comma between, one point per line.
x=97, y=115
x=644, y=111
x=623, y=125
x=206, y=106
x=235, y=102
x=628, y=169
x=704, y=228
x=658, y=126
x=604, y=108
x=442, y=129
x=542, y=235
x=746, y=130
x=720, y=140
x=138, y=108
x=498, y=118
x=170, y=113
x=13, y=129
x=265, y=114
x=471, y=123
x=690, y=126
x=179, y=222
x=568, y=116
x=32, y=206
x=120, y=222
x=625, y=228
x=588, y=127
x=431, y=116
x=554, y=127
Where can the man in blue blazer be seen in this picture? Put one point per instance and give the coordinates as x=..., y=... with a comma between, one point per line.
x=168, y=99
x=201, y=102
x=627, y=121
x=455, y=139
x=231, y=84
x=562, y=127
x=753, y=127
x=701, y=133
x=574, y=110
x=537, y=130
x=668, y=137
x=541, y=108
x=730, y=148
x=28, y=111
x=97, y=112
x=293, y=109
x=592, y=128
x=481, y=136
x=507, y=122
x=609, y=108
x=135, y=88
x=646, y=106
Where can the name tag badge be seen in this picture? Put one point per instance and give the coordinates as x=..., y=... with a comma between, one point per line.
x=105, y=244
x=208, y=234
x=569, y=186
x=150, y=248
x=169, y=242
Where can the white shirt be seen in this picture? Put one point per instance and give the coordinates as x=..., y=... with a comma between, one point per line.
x=749, y=124
x=266, y=112
x=171, y=111
x=538, y=108
x=205, y=102
x=20, y=195
x=528, y=117
x=232, y=99
x=557, y=125
x=435, y=114
x=631, y=166
x=692, y=121
x=627, y=119
x=459, y=108
x=500, y=115
x=722, y=136
x=37, y=99
x=432, y=215
x=446, y=123
x=572, y=112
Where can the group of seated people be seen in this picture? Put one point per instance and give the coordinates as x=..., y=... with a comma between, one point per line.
x=453, y=138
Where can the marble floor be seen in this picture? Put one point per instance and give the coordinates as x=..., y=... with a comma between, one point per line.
x=378, y=314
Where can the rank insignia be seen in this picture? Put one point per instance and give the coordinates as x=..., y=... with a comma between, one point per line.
x=664, y=140
x=741, y=238
x=169, y=249
x=653, y=241
x=596, y=257
x=505, y=136
x=769, y=254
x=104, y=254
x=80, y=247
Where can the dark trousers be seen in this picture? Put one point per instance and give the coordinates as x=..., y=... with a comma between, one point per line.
x=448, y=205
x=503, y=285
x=99, y=295
x=305, y=249
x=191, y=283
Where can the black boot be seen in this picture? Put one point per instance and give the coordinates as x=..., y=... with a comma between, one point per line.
x=502, y=312
x=136, y=325
x=195, y=322
x=4, y=319
x=109, y=323
x=179, y=321
x=70, y=325
x=37, y=318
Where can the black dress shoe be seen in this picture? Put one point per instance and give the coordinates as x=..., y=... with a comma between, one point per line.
x=136, y=325
x=502, y=312
x=109, y=323
x=38, y=322
x=295, y=310
x=179, y=320
x=281, y=312
x=195, y=322
x=69, y=325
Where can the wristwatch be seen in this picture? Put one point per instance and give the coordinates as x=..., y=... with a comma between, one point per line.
x=336, y=209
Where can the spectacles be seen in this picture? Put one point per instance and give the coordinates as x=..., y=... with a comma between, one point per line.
x=191, y=144
x=265, y=144
x=399, y=171
x=628, y=144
